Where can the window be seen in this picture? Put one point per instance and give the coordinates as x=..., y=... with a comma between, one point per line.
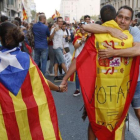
x=11, y=2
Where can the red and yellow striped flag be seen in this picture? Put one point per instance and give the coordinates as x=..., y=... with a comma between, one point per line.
x=24, y=13
x=108, y=85
x=57, y=13
x=30, y=114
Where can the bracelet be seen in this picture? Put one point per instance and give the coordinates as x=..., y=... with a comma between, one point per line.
x=59, y=90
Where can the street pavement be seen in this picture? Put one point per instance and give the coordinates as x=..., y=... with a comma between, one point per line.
x=71, y=125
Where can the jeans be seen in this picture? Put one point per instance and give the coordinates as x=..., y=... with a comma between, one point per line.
x=59, y=58
x=77, y=82
x=51, y=56
x=41, y=55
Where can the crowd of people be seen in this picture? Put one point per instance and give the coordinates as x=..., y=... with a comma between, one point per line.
x=98, y=59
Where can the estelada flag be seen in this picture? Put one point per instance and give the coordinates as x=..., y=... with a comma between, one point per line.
x=27, y=109
x=108, y=85
x=24, y=13
x=53, y=16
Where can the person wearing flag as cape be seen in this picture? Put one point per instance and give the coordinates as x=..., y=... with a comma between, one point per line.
x=108, y=85
x=129, y=52
x=78, y=43
x=27, y=109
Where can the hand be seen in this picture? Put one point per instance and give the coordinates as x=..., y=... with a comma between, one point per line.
x=89, y=34
x=83, y=39
x=63, y=88
x=64, y=52
x=55, y=29
x=69, y=38
x=64, y=82
x=117, y=34
x=136, y=44
x=106, y=53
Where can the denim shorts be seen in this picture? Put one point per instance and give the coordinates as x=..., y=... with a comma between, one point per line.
x=136, y=99
x=59, y=58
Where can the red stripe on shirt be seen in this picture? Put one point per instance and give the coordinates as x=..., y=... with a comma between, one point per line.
x=9, y=114
x=32, y=109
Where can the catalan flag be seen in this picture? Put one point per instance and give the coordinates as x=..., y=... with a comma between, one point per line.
x=53, y=16
x=108, y=85
x=24, y=13
x=27, y=109
x=57, y=13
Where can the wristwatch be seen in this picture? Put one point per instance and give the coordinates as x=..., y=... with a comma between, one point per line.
x=58, y=89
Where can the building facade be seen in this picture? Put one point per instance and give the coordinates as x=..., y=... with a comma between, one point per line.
x=134, y=4
x=13, y=8
x=72, y=10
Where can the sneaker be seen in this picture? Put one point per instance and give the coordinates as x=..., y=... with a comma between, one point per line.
x=76, y=93
x=50, y=74
x=58, y=79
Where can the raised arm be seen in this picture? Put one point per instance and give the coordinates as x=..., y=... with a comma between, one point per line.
x=98, y=29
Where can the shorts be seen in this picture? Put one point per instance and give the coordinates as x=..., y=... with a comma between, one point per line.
x=136, y=99
x=59, y=58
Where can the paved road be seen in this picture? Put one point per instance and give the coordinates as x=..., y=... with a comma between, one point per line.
x=72, y=126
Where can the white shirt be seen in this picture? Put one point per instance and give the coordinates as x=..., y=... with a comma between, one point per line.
x=135, y=32
x=57, y=39
x=65, y=44
x=78, y=50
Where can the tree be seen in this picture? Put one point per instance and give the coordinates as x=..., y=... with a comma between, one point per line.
x=50, y=20
x=33, y=14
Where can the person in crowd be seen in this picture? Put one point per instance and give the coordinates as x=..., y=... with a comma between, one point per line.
x=66, y=37
x=57, y=37
x=134, y=22
x=25, y=93
x=87, y=19
x=3, y=18
x=41, y=32
x=98, y=22
x=78, y=43
x=125, y=14
x=30, y=35
x=15, y=22
x=51, y=53
x=130, y=52
x=72, y=32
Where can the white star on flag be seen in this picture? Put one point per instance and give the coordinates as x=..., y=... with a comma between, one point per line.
x=7, y=59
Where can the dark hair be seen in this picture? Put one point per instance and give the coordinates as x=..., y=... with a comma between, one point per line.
x=86, y=16
x=128, y=8
x=10, y=35
x=19, y=20
x=98, y=22
x=59, y=18
x=4, y=18
x=64, y=23
x=108, y=13
x=138, y=15
x=15, y=22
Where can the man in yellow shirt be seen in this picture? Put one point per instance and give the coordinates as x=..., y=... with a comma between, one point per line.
x=103, y=81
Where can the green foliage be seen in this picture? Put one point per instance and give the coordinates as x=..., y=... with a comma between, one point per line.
x=50, y=20
x=33, y=14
